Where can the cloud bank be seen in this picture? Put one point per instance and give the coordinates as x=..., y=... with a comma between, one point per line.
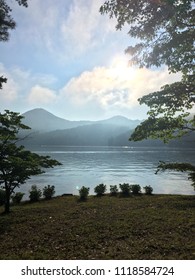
x=64, y=30
x=101, y=91
x=67, y=58
x=113, y=88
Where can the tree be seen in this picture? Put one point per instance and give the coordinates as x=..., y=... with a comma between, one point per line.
x=48, y=191
x=181, y=167
x=17, y=164
x=84, y=192
x=164, y=31
x=7, y=23
x=125, y=189
x=100, y=189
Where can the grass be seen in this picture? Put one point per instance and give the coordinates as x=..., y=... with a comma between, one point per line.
x=138, y=227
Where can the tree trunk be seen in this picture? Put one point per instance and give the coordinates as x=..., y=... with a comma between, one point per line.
x=7, y=199
x=7, y=207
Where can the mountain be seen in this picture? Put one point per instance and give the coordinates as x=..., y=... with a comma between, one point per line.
x=44, y=121
x=48, y=129
x=121, y=121
x=41, y=120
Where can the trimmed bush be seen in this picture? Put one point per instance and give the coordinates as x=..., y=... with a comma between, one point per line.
x=17, y=197
x=113, y=190
x=35, y=193
x=136, y=189
x=84, y=192
x=125, y=189
x=48, y=191
x=2, y=197
x=100, y=189
x=148, y=190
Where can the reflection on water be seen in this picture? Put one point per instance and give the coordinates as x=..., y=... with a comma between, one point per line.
x=90, y=166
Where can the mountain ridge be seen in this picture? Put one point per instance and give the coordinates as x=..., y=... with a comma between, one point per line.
x=48, y=129
x=41, y=120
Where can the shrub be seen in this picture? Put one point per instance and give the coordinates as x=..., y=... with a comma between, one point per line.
x=148, y=190
x=35, y=193
x=113, y=190
x=48, y=191
x=17, y=197
x=2, y=197
x=100, y=189
x=84, y=192
x=125, y=189
x=136, y=189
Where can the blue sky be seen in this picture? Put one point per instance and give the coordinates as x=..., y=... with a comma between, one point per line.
x=67, y=58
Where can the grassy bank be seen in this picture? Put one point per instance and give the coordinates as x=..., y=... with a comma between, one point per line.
x=139, y=227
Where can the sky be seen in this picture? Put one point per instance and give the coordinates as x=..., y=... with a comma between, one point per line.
x=67, y=58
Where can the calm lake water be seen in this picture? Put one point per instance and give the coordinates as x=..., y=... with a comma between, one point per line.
x=90, y=166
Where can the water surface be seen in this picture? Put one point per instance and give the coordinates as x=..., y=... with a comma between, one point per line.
x=90, y=166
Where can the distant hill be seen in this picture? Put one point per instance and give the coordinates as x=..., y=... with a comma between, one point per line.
x=121, y=121
x=44, y=121
x=87, y=135
x=49, y=129
x=41, y=120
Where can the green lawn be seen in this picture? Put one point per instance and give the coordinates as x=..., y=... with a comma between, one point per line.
x=138, y=227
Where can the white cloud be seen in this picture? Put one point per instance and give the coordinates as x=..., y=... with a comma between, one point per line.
x=63, y=30
x=25, y=89
x=40, y=96
x=117, y=86
x=19, y=82
x=37, y=21
x=9, y=93
x=66, y=38
x=101, y=92
x=84, y=27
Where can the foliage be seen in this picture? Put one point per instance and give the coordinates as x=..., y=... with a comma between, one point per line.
x=84, y=192
x=164, y=31
x=48, y=191
x=165, y=34
x=17, y=197
x=169, y=114
x=100, y=189
x=113, y=190
x=148, y=190
x=136, y=189
x=17, y=164
x=125, y=189
x=35, y=193
x=2, y=197
x=181, y=167
x=7, y=23
x=2, y=80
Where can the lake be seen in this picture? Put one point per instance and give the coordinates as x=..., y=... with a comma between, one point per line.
x=90, y=166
